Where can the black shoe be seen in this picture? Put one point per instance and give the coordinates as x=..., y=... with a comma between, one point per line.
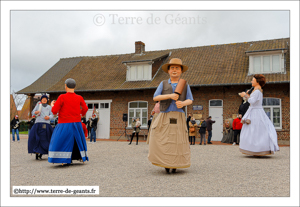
x=209, y=143
x=40, y=156
x=167, y=170
x=204, y=143
x=200, y=144
x=136, y=143
x=36, y=156
x=174, y=170
x=129, y=143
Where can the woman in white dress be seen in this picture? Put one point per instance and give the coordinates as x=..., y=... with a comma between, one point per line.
x=258, y=135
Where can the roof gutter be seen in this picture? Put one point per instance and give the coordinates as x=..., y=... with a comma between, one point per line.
x=148, y=88
x=266, y=50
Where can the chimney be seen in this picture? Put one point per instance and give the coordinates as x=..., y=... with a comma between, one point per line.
x=139, y=47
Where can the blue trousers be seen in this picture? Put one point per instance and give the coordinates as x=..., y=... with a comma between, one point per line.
x=209, y=136
x=13, y=134
x=93, y=135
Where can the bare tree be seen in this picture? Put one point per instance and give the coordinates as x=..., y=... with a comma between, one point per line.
x=16, y=103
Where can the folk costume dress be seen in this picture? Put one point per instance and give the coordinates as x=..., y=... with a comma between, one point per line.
x=41, y=132
x=259, y=137
x=68, y=140
x=169, y=145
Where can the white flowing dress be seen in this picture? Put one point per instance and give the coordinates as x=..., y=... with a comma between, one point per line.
x=259, y=137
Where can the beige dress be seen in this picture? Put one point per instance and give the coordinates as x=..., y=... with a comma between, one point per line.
x=169, y=145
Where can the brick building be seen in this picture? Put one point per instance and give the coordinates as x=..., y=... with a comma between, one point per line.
x=125, y=83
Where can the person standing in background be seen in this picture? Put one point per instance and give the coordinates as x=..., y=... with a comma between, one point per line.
x=30, y=123
x=192, y=130
x=202, y=131
x=15, y=125
x=209, y=124
x=237, y=127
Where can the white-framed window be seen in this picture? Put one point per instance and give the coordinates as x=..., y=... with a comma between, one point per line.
x=138, y=72
x=272, y=107
x=138, y=109
x=266, y=63
x=216, y=103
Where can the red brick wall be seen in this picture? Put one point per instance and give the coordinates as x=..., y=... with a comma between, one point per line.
x=202, y=95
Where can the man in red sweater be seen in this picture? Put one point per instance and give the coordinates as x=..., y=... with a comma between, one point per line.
x=237, y=127
x=68, y=140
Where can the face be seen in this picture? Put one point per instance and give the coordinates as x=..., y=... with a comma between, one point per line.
x=175, y=71
x=44, y=100
x=240, y=116
x=254, y=82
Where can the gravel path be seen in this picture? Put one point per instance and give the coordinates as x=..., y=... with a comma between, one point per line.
x=123, y=170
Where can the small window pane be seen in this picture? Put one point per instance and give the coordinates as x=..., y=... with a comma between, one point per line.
x=273, y=102
x=101, y=105
x=142, y=104
x=146, y=72
x=133, y=105
x=256, y=65
x=132, y=73
x=268, y=112
x=138, y=113
x=131, y=114
x=266, y=62
x=275, y=63
x=140, y=72
x=215, y=103
x=90, y=106
x=144, y=122
x=264, y=102
x=276, y=117
x=106, y=105
x=96, y=106
x=144, y=113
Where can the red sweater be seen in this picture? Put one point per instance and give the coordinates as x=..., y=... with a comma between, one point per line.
x=236, y=124
x=68, y=108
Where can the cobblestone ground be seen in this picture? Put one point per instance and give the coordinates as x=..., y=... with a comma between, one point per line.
x=123, y=170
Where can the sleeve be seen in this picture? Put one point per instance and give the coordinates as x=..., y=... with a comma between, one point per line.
x=50, y=114
x=158, y=90
x=189, y=94
x=83, y=106
x=57, y=105
x=233, y=124
x=254, y=97
x=35, y=109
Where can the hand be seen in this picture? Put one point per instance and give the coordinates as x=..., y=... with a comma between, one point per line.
x=174, y=96
x=179, y=104
x=242, y=94
x=46, y=117
x=52, y=103
x=37, y=112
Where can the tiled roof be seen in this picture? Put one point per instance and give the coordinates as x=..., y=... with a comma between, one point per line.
x=267, y=45
x=52, y=76
x=153, y=55
x=208, y=66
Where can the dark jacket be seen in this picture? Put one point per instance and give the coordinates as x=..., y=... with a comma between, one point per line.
x=243, y=108
x=203, y=126
x=15, y=124
x=209, y=123
x=187, y=122
x=31, y=123
x=83, y=120
x=94, y=123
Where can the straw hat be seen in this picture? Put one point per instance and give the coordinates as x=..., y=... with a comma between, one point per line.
x=174, y=61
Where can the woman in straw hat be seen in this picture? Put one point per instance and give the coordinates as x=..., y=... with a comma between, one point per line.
x=169, y=144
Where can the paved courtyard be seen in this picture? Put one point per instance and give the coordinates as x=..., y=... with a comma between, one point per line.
x=123, y=170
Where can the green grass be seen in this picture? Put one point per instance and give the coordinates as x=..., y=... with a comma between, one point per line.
x=24, y=132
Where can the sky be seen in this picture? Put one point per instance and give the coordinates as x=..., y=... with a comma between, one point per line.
x=40, y=38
